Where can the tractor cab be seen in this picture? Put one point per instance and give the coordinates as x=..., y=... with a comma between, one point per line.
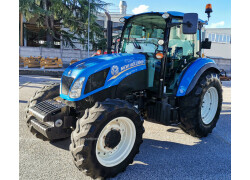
x=161, y=38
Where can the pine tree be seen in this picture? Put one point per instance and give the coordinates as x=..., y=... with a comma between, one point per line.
x=68, y=14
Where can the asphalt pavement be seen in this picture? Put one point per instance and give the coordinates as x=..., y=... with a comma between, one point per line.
x=166, y=152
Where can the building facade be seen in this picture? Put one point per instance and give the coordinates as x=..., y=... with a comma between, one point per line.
x=220, y=47
x=33, y=36
x=221, y=43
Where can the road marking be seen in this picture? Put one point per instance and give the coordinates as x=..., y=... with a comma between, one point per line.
x=22, y=85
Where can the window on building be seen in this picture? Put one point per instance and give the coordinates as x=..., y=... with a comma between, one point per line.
x=210, y=37
x=224, y=38
x=228, y=39
x=217, y=38
x=221, y=38
x=213, y=37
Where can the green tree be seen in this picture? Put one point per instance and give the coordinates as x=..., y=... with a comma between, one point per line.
x=68, y=14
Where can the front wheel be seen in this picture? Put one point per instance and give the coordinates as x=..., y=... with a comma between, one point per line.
x=200, y=110
x=107, y=138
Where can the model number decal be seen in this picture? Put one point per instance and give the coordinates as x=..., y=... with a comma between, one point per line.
x=133, y=64
x=125, y=68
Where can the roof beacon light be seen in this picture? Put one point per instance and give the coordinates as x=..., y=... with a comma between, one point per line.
x=208, y=10
x=165, y=15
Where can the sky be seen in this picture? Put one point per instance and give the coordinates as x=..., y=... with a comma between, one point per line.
x=220, y=17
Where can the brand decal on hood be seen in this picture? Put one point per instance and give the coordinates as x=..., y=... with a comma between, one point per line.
x=114, y=70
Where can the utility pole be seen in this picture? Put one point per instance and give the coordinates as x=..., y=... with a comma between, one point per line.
x=21, y=29
x=88, y=26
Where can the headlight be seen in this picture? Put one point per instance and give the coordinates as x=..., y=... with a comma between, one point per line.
x=75, y=91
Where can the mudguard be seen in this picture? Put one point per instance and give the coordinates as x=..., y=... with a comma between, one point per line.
x=120, y=65
x=192, y=74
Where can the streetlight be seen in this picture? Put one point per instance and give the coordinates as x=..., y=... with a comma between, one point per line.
x=88, y=25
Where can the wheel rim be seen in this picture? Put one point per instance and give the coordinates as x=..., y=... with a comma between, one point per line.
x=209, y=105
x=112, y=156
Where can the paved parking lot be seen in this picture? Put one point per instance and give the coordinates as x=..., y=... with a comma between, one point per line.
x=166, y=153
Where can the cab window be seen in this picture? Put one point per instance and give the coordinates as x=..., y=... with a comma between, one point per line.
x=182, y=45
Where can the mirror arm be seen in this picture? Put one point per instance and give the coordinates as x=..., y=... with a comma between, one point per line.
x=169, y=25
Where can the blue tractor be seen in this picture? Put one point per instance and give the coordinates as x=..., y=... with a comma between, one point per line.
x=158, y=75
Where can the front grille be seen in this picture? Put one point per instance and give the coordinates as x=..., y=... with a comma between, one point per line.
x=65, y=84
x=46, y=107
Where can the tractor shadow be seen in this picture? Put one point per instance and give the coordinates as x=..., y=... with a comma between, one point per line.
x=61, y=143
x=205, y=158
x=226, y=84
x=192, y=158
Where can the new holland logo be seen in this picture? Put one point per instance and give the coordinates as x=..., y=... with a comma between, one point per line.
x=114, y=70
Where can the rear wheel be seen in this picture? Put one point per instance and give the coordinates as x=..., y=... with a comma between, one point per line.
x=107, y=138
x=200, y=110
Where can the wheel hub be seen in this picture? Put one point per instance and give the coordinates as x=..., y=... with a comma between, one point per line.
x=113, y=138
x=209, y=105
x=115, y=141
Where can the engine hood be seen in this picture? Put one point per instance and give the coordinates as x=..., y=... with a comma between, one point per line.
x=121, y=65
x=97, y=63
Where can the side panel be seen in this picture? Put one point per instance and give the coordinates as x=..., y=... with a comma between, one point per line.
x=134, y=82
x=193, y=73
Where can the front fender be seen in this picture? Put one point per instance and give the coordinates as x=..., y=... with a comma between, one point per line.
x=192, y=74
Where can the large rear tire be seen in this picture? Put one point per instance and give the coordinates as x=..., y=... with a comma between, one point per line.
x=107, y=138
x=200, y=110
x=46, y=92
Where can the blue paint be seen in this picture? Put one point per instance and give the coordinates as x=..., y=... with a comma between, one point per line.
x=190, y=74
x=172, y=13
x=127, y=64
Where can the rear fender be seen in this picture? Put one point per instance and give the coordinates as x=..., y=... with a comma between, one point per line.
x=192, y=74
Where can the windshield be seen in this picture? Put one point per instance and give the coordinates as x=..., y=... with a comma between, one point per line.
x=142, y=34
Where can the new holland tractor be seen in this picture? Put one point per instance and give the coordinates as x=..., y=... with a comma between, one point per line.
x=158, y=75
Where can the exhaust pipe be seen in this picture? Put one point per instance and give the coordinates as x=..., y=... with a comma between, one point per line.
x=109, y=32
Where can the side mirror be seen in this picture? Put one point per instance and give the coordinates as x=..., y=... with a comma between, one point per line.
x=190, y=23
x=206, y=44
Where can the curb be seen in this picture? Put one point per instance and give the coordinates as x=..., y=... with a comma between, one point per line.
x=41, y=72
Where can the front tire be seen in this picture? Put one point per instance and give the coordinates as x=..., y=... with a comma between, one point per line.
x=200, y=110
x=107, y=138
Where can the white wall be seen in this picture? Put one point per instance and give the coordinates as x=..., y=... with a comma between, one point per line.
x=218, y=49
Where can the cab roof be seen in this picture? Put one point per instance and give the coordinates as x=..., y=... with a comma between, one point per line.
x=172, y=13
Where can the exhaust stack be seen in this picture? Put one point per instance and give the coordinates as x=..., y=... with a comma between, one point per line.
x=109, y=32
